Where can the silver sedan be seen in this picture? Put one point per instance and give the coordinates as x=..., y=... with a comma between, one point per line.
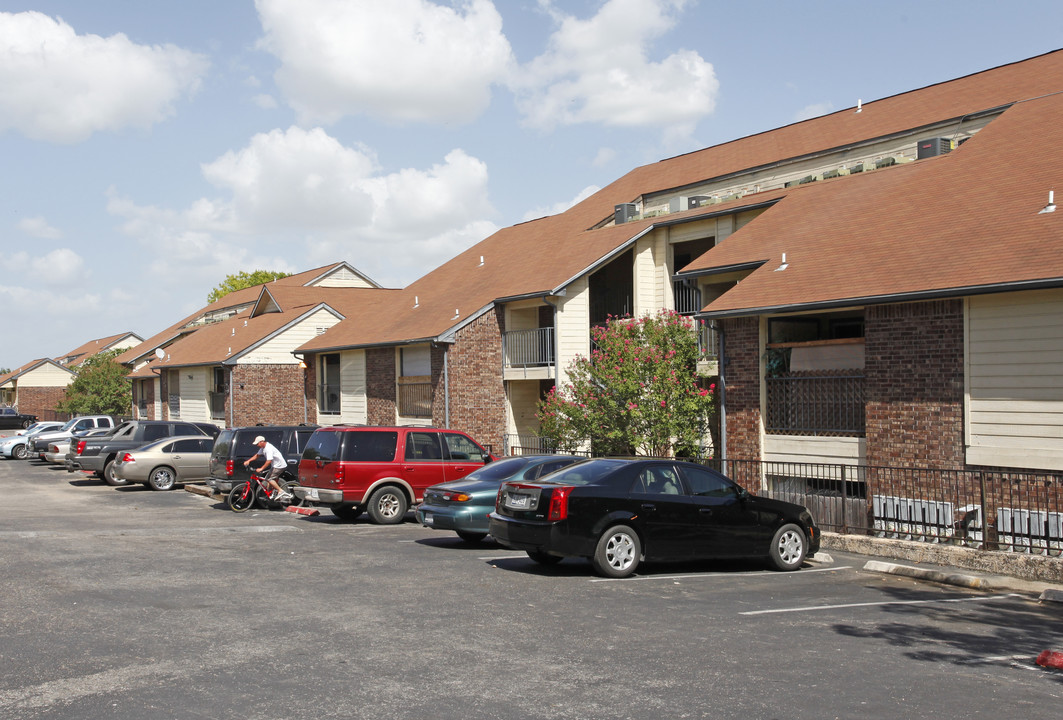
x=165, y=463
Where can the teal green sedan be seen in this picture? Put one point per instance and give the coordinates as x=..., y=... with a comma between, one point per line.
x=463, y=505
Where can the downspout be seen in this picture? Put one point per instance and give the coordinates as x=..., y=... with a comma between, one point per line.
x=557, y=343
x=446, y=387
x=232, y=399
x=722, y=398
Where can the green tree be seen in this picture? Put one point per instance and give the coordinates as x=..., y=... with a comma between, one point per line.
x=242, y=280
x=638, y=392
x=100, y=388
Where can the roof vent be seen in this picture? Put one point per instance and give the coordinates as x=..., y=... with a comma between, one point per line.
x=625, y=212
x=932, y=147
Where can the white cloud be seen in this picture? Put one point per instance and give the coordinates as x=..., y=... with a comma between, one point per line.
x=59, y=86
x=599, y=71
x=266, y=102
x=409, y=60
x=38, y=227
x=303, y=189
x=57, y=268
x=560, y=207
x=815, y=110
x=604, y=157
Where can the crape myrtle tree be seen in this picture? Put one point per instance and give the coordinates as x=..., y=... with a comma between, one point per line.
x=100, y=388
x=243, y=279
x=637, y=393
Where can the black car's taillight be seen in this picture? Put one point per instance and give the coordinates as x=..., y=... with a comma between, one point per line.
x=559, y=503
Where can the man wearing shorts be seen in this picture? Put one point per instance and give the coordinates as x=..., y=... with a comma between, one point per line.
x=277, y=464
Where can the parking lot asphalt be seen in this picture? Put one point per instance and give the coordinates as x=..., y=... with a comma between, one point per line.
x=128, y=603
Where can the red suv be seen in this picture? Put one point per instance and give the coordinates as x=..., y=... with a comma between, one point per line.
x=384, y=470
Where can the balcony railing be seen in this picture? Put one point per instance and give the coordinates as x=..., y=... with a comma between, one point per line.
x=820, y=403
x=529, y=348
x=687, y=297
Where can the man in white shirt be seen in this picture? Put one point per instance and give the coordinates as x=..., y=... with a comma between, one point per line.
x=274, y=460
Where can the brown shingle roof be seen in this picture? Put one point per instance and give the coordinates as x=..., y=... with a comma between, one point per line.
x=962, y=223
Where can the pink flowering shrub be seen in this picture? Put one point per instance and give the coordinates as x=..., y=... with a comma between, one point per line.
x=637, y=393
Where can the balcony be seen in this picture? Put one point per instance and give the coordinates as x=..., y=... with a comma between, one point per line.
x=528, y=354
x=687, y=297
x=816, y=403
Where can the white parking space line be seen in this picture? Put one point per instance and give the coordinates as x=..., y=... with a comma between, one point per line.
x=814, y=608
x=96, y=532
x=710, y=575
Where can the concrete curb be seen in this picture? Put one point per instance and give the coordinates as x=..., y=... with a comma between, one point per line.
x=974, y=582
x=1018, y=566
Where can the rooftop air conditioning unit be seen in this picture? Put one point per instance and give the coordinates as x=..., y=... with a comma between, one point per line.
x=679, y=204
x=932, y=147
x=625, y=212
x=699, y=201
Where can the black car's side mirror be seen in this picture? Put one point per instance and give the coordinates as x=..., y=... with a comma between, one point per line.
x=742, y=493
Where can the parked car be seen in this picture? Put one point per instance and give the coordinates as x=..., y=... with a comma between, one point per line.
x=620, y=512
x=15, y=445
x=97, y=453
x=12, y=418
x=463, y=505
x=235, y=445
x=163, y=464
x=382, y=470
x=40, y=426
x=38, y=445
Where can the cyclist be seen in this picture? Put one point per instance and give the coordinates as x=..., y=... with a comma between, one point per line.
x=274, y=460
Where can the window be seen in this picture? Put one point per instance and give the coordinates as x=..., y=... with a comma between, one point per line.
x=156, y=432
x=328, y=389
x=190, y=445
x=323, y=447
x=462, y=448
x=370, y=446
x=423, y=446
x=705, y=482
x=658, y=480
x=415, y=382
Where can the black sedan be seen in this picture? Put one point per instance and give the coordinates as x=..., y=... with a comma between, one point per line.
x=620, y=512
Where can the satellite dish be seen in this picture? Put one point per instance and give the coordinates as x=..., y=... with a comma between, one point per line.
x=160, y=353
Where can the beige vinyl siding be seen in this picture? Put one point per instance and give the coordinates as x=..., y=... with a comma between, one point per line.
x=278, y=349
x=1014, y=380
x=803, y=449
x=46, y=375
x=651, y=273
x=353, y=407
x=573, y=326
x=693, y=230
x=342, y=277
x=523, y=396
x=156, y=406
x=195, y=404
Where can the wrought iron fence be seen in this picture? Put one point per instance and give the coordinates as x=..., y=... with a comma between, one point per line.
x=820, y=403
x=987, y=509
x=529, y=348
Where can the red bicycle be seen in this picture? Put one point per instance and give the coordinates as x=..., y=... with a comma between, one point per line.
x=243, y=496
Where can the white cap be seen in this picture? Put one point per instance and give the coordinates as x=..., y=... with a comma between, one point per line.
x=258, y=440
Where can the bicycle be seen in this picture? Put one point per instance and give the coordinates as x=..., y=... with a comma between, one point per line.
x=243, y=496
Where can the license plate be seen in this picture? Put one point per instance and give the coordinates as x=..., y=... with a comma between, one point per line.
x=518, y=502
x=428, y=519
x=311, y=494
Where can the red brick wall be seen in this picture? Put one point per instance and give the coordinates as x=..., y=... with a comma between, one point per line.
x=271, y=394
x=741, y=346
x=477, y=393
x=41, y=401
x=380, y=385
x=914, y=371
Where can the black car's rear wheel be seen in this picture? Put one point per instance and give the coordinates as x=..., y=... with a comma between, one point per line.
x=788, y=547
x=618, y=553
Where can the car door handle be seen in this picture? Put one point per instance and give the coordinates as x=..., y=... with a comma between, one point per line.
x=649, y=506
x=705, y=511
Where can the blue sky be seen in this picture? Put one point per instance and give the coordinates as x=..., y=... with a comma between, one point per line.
x=149, y=149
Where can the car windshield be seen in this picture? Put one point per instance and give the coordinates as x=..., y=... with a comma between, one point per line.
x=500, y=469
x=69, y=424
x=584, y=473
